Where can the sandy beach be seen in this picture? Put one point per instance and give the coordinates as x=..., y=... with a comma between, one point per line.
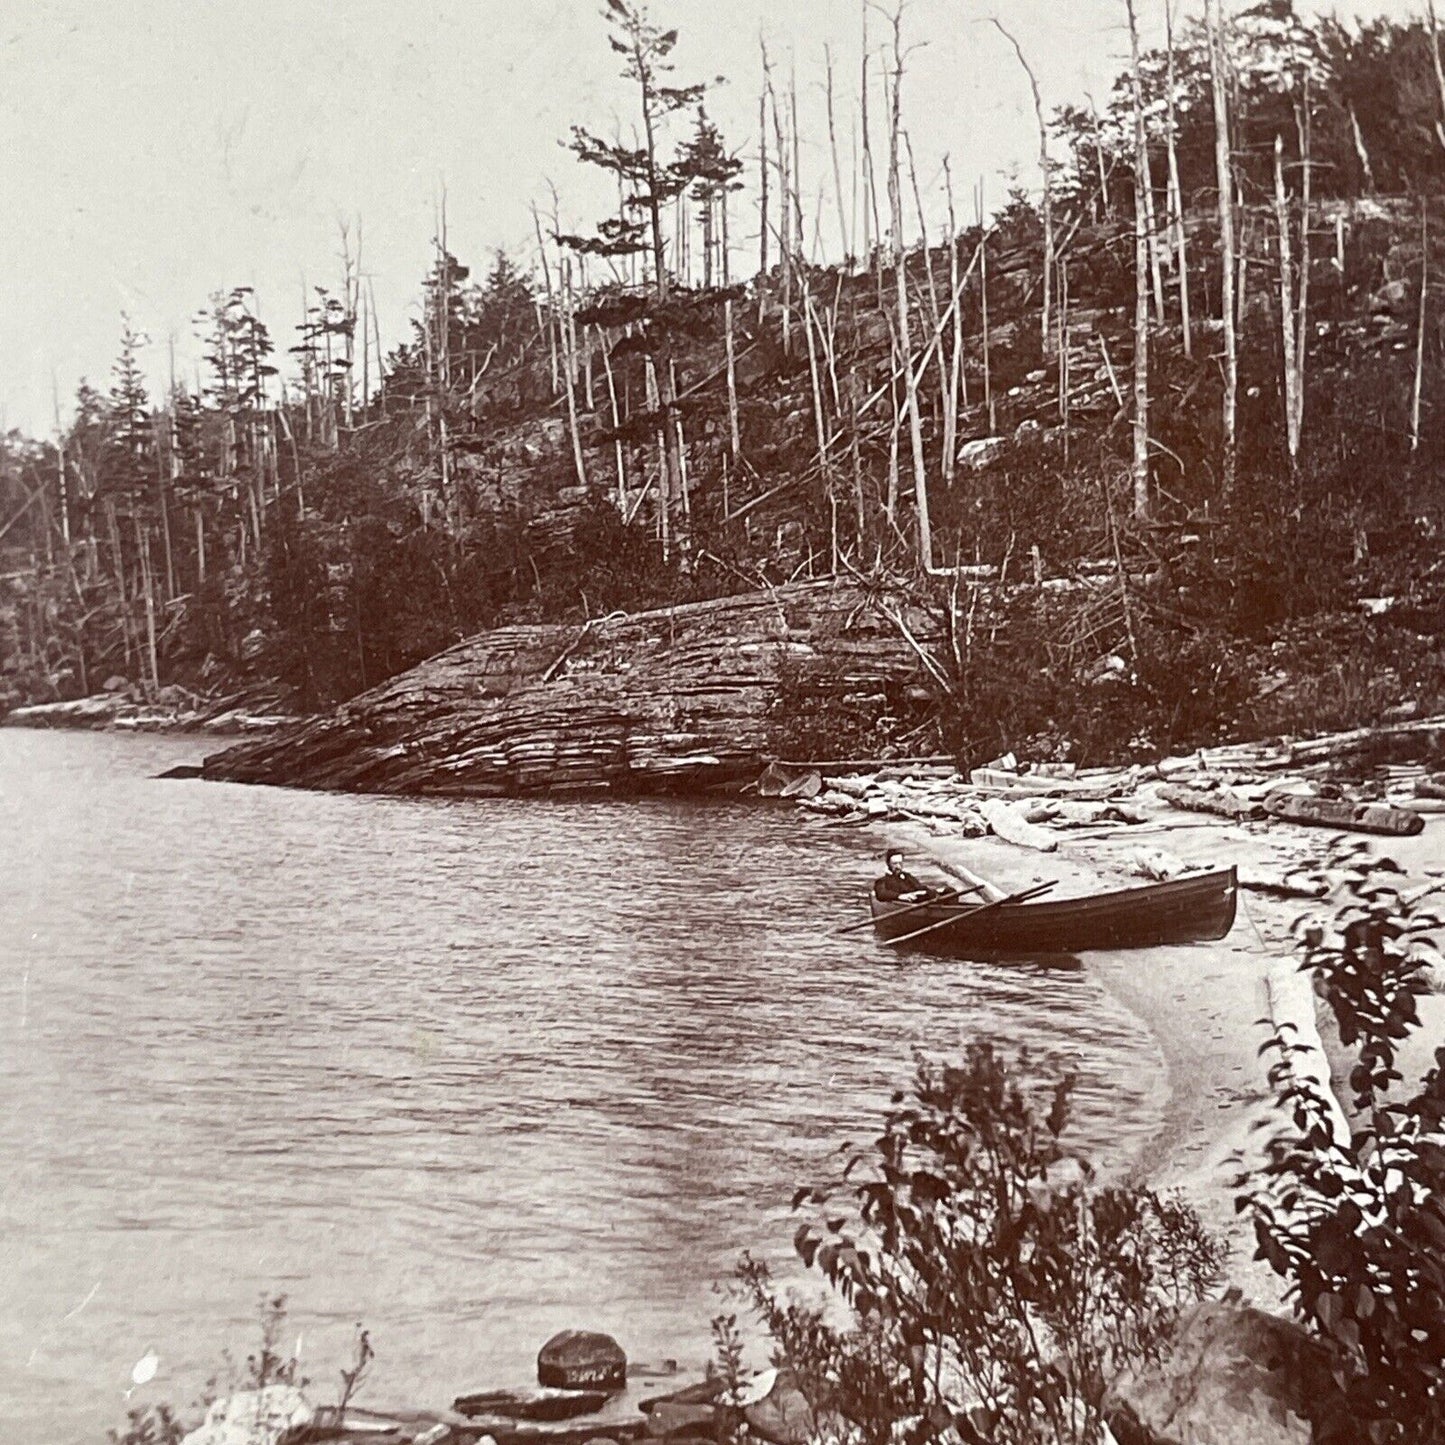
x=1205, y=1005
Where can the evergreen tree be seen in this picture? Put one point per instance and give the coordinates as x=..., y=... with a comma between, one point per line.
x=715, y=171
x=649, y=182
x=131, y=456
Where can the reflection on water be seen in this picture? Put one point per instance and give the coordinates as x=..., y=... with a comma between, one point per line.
x=469, y=1072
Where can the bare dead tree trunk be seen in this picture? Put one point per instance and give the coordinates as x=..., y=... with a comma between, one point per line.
x=837, y=169
x=725, y=243
x=935, y=311
x=163, y=499
x=143, y=552
x=1439, y=72
x=734, y=435
x=376, y=332
x=796, y=169
x=785, y=209
x=1065, y=379
x=349, y=283
x=829, y=338
x=1420, y=328
x=1302, y=313
x=1286, y=305
x=551, y=301
x=856, y=457
x=1047, y=209
x=365, y=361
x=60, y=479
x=1361, y=154
x=450, y=505
x=1176, y=189
x=955, y=365
x=983, y=304
x=684, y=490
x=1140, y=470
x=616, y=425
x=1156, y=274
x=895, y=198
x=1241, y=245
x=570, y=371
x=654, y=403
x=1107, y=209
x=872, y=228
x=763, y=192
x=819, y=417
x=1224, y=176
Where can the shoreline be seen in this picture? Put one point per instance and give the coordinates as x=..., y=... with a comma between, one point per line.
x=1206, y=1006
x=121, y=713
x=1197, y=1007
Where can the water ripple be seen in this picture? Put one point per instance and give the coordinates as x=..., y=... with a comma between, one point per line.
x=469, y=1072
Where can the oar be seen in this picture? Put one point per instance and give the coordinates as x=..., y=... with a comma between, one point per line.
x=972, y=912
x=941, y=897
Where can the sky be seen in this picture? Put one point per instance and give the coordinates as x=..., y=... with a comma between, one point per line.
x=153, y=152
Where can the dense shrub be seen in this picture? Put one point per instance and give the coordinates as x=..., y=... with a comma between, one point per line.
x=1357, y=1226
x=992, y=1286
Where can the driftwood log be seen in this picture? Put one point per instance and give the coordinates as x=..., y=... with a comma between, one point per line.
x=1342, y=813
x=681, y=699
x=1221, y=802
x=1011, y=825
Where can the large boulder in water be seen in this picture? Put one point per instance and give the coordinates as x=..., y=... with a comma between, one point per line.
x=1231, y=1375
x=582, y=1360
x=253, y=1417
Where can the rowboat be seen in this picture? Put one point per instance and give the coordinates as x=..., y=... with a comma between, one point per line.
x=1196, y=909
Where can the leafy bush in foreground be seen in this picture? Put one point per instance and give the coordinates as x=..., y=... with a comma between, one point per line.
x=1357, y=1226
x=992, y=1288
x=268, y=1365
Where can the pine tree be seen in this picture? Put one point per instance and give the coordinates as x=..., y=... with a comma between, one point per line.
x=649, y=183
x=130, y=463
x=716, y=173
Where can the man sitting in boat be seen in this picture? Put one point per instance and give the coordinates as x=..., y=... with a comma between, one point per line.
x=897, y=885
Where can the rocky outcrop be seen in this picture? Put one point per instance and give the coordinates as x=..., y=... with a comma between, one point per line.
x=1231, y=1375
x=679, y=699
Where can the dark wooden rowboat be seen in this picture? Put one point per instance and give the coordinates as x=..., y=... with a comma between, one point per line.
x=1196, y=909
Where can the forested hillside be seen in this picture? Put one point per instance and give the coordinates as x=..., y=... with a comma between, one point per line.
x=1180, y=412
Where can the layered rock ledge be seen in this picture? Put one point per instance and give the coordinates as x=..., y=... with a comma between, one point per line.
x=681, y=699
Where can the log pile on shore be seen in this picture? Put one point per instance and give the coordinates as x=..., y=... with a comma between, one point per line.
x=681, y=699
x=1033, y=805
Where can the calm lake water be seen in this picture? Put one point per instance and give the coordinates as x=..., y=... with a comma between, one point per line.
x=468, y=1072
